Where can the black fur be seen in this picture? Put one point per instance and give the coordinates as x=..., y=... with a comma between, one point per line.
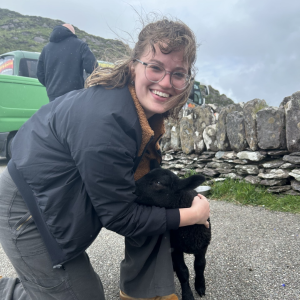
x=163, y=188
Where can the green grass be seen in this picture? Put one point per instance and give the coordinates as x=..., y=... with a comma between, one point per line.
x=248, y=194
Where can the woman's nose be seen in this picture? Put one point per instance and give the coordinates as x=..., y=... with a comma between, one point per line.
x=166, y=81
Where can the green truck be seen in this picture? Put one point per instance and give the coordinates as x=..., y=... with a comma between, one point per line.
x=21, y=94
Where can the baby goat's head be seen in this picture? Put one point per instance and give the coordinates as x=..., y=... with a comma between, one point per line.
x=161, y=187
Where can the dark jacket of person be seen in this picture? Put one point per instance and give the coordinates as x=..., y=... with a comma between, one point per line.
x=62, y=61
x=74, y=161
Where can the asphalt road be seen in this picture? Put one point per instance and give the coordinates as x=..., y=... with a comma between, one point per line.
x=254, y=254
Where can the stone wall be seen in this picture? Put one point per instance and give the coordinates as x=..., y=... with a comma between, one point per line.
x=251, y=142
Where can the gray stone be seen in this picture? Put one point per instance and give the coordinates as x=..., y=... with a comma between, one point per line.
x=252, y=179
x=237, y=161
x=225, y=155
x=278, y=152
x=203, y=117
x=292, y=114
x=279, y=189
x=235, y=129
x=295, y=154
x=222, y=139
x=224, y=171
x=273, y=182
x=219, y=179
x=167, y=157
x=187, y=134
x=253, y=156
x=292, y=159
x=39, y=39
x=250, y=109
x=210, y=138
x=210, y=172
x=274, y=173
x=272, y=164
x=296, y=174
x=295, y=185
x=232, y=176
x=288, y=166
x=221, y=164
x=212, y=153
x=292, y=193
x=271, y=128
x=175, y=138
x=247, y=169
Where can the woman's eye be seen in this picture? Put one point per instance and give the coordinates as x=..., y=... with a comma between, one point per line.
x=179, y=75
x=155, y=68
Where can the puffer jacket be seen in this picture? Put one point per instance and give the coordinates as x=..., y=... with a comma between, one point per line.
x=74, y=162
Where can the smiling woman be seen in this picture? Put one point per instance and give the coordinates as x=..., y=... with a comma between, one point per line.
x=73, y=171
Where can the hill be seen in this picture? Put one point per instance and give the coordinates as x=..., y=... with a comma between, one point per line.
x=30, y=33
x=214, y=97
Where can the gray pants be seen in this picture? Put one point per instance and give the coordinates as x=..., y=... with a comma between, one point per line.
x=24, y=247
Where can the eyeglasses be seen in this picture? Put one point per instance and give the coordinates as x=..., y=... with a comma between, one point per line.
x=156, y=73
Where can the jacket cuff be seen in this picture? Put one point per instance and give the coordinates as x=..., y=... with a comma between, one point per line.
x=173, y=219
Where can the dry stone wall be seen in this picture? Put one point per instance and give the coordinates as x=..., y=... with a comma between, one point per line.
x=251, y=142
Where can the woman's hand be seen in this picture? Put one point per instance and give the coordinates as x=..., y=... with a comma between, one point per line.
x=202, y=210
x=198, y=213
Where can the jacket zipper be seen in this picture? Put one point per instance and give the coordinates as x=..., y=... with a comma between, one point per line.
x=19, y=227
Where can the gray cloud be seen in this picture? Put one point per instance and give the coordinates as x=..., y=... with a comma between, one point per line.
x=249, y=49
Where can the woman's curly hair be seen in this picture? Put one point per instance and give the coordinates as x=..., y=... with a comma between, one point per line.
x=169, y=36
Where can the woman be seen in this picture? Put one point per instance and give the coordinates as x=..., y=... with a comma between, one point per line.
x=74, y=166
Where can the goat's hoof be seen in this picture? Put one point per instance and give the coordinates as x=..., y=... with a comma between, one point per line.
x=188, y=295
x=200, y=291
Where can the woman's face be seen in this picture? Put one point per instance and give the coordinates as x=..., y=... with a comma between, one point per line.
x=155, y=97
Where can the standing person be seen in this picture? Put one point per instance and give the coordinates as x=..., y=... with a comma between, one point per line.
x=73, y=170
x=62, y=61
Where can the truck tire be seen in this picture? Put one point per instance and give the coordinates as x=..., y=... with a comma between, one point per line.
x=9, y=147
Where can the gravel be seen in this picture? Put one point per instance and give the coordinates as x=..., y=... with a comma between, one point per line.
x=254, y=254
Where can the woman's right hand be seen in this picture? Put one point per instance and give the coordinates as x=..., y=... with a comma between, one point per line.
x=198, y=213
x=202, y=210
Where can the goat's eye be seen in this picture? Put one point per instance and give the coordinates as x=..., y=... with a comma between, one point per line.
x=157, y=182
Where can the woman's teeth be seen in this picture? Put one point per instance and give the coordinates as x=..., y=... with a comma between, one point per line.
x=161, y=94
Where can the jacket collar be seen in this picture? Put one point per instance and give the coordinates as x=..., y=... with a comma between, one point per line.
x=154, y=127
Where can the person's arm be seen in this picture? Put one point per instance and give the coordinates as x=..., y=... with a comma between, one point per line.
x=89, y=61
x=40, y=69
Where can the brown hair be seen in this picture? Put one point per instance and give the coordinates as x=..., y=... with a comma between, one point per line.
x=169, y=36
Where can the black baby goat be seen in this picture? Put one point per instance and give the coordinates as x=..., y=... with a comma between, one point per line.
x=161, y=187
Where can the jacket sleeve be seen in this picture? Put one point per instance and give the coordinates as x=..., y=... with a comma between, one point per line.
x=89, y=61
x=40, y=69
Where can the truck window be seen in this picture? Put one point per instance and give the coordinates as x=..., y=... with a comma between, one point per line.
x=7, y=65
x=28, y=67
x=197, y=95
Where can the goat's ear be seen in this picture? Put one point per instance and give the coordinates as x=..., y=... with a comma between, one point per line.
x=190, y=183
x=154, y=164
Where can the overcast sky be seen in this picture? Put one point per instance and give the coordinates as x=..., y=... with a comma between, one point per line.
x=249, y=48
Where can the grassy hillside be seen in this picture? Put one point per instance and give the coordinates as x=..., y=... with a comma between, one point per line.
x=214, y=97
x=30, y=33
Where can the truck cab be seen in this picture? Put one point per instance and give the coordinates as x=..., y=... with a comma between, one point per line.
x=196, y=98
x=21, y=94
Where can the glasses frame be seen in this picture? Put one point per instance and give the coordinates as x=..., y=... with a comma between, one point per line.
x=189, y=78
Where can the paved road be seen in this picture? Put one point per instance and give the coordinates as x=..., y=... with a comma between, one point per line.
x=254, y=254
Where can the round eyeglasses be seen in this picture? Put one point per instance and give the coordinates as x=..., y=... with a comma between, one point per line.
x=156, y=73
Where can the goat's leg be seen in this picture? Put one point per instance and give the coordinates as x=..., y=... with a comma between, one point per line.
x=199, y=265
x=182, y=273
